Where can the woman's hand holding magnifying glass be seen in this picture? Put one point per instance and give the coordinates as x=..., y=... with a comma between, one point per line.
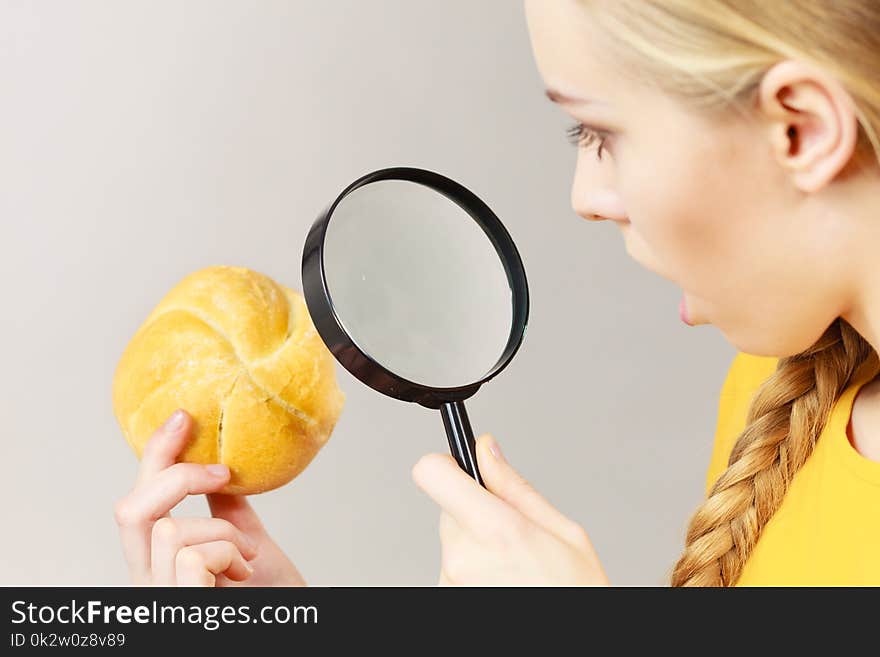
x=506, y=533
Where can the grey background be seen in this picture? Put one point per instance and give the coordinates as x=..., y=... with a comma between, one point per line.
x=144, y=140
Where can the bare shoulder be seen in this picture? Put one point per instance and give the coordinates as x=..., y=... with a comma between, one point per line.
x=863, y=428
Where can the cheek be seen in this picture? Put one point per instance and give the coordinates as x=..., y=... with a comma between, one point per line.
x=688, y=219
x=673, y=232
x=725, y=236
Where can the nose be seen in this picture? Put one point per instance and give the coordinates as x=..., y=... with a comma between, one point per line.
x=600, y=204
x=592, y=195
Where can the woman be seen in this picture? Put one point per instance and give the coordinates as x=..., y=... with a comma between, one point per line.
x=736, y=147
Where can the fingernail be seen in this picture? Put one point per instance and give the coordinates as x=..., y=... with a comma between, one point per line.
x=174, y=422
x=250, y=568
x=495, y=448
x=218, y=469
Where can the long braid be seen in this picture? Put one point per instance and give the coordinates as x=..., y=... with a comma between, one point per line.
x=783, y=423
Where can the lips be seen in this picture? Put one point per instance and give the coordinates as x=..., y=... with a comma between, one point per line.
x=682, y=311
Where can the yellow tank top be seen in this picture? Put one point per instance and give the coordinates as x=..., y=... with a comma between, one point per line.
x=827, y=530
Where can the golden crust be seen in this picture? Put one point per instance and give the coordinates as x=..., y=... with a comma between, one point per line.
x=240, y=353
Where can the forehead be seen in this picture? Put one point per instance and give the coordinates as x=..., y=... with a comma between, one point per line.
x=568, y=52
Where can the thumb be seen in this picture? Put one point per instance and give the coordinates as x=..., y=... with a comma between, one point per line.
x=237, y=510
x=505, y=482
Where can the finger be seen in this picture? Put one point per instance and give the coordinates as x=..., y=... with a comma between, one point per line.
x=508, y=484
x=472, y=506
x=164, y=446
x=198, y=565
x=444, y=580
x=170, y=535
x=237, y=510
x=135, y=543
x=448, y=527
x=160, y=451
x=152, y=499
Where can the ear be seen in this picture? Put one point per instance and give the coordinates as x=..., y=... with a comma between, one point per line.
x=812, y=122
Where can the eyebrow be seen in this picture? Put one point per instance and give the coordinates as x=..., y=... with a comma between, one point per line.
x=559, y=97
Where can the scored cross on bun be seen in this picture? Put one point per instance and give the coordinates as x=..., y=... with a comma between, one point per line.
x=240, y=354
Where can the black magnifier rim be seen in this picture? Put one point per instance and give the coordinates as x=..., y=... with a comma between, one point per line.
x=343, y=346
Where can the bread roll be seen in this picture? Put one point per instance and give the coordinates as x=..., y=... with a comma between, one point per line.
x=240, y=353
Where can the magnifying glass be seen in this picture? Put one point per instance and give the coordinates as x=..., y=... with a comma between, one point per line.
x=417, y=289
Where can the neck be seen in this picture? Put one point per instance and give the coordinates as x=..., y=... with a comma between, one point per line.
x=862, y=207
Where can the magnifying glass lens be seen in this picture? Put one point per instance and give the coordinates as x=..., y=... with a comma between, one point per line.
x=417, y=283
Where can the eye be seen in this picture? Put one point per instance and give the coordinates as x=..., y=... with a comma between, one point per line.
x=581, y=135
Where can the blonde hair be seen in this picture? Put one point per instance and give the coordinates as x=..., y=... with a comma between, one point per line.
x=712, y=54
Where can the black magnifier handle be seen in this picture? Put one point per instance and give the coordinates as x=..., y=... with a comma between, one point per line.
x=461, y=438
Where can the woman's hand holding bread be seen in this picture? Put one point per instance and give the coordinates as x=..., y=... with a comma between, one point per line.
x=231, y=548
x=240, y=353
